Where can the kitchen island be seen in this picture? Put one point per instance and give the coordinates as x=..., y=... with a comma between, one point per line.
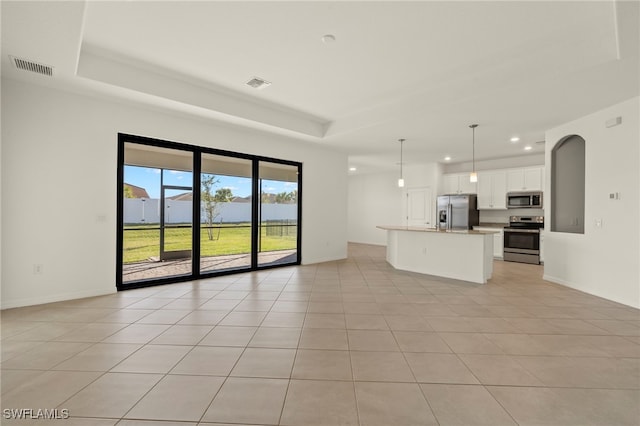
x=463, y=255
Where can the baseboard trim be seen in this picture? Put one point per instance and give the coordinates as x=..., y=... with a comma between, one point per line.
x=321, y=260
x=575, y=287
x=41, y=300
x=559, y=281
x=369, y=243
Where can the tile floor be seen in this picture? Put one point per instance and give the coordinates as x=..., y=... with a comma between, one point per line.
x=352, y=342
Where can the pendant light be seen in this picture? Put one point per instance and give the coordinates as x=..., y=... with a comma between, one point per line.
x=401, y=180
x=473, y=177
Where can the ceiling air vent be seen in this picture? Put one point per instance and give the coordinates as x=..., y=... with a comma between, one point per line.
x=27, y=65
x=258, y=83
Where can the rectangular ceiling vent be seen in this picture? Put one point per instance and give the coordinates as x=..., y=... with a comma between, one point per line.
x=258, y=83
x=27, y=65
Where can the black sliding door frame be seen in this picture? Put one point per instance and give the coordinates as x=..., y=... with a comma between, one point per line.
x=197, y=152
x=255, y=212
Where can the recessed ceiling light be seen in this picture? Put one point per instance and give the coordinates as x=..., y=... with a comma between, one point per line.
x=515, y=139
x=328, y=38
x=528, y=148
x=447, y=158
x=352, y=169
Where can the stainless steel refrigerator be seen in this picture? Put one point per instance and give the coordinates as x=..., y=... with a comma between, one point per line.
x=458, y=211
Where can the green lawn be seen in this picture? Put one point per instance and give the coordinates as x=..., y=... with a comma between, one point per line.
x=141, y=242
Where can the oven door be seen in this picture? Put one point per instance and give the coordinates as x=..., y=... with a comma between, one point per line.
x=522, y=245
x=522, y=240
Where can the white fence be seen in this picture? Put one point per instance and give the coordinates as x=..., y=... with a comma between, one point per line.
x=147, y=210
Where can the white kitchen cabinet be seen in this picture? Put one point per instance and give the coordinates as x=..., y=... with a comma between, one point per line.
x=450, y=184
x=458, y=183
x=467, y=187
x=492, y=190
x=498, y=239
x=498, y=244
x=525, y=179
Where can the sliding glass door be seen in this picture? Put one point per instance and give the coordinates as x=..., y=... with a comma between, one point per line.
x=157, y=215
x=186, y=212
x=225, y=213
x=278, y=214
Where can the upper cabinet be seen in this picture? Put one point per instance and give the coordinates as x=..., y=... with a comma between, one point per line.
x=493, y=185
x=525, y=179
x=458, y=183
x=492, y=190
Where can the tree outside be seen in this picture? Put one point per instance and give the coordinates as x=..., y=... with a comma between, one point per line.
x=280, y=198
x=211, y=200
x=207, y=197
x=128, y=192
x=223, y=195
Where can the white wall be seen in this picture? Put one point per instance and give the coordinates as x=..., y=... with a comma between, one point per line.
x=1, y=192
x=62, y=146
x=375, y=199
x=604, y=261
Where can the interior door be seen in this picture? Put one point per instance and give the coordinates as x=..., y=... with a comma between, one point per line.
x=420, y=207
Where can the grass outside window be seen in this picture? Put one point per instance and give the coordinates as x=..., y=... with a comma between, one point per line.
x=142, y=242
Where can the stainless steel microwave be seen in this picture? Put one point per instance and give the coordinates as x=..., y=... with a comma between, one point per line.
x=524, y=200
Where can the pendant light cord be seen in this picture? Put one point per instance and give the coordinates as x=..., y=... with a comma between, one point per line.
x=473, y=147
x=401, y=143
x=401, y=179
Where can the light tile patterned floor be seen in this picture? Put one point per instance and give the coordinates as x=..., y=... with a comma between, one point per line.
x=352, y=342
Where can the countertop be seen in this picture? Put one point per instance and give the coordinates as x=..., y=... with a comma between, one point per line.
x=496, y=226
x=491, y=225
x=440, y=231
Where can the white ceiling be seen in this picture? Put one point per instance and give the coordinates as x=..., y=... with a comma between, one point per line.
x=420, y=70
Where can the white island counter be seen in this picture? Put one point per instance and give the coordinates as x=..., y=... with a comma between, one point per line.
x=462, y=255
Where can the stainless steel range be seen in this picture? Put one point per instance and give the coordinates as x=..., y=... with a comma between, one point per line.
x=522, y=239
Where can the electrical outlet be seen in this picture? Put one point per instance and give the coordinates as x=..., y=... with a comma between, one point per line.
x=38, y=269
x=598, y=223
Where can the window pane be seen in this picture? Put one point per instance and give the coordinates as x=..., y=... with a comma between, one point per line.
x=278, y=239
x=157, y=213
x=225, y=211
